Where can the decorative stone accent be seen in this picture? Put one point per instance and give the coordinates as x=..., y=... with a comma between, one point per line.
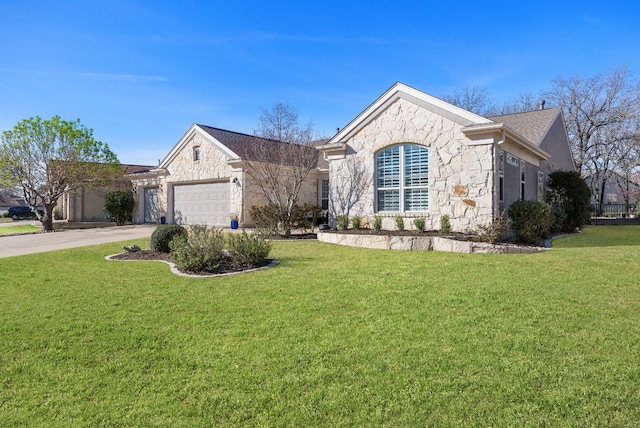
x=460, y=190
x=422, y=243
x=469, y=202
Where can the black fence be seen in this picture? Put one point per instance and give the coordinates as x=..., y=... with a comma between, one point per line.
x=614, y=214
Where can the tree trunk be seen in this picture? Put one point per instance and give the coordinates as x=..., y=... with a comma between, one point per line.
x=47, y=218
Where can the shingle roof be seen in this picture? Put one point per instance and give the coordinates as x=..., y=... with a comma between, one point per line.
x=242, y=144
x=532, y=125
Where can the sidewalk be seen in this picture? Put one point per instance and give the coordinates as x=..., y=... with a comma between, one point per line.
x=17, y=245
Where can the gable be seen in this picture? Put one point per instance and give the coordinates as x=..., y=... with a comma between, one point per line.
x=401, y=91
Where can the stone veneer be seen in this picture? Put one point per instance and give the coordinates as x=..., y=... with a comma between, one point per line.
x=421, y=243
x=460, y=174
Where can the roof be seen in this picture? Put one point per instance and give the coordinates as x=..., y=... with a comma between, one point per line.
x=532, y=125
x=243, y=144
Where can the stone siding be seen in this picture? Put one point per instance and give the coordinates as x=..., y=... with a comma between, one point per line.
x=421, y=243
x=460, y=175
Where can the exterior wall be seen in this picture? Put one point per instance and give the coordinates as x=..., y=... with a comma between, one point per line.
x=556, y=144
x=86, y=205
x=460, y=175
x=212, y=166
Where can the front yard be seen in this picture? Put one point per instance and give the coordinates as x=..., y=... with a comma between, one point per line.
x=333, y=336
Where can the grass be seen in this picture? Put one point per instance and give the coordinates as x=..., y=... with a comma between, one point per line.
x=333, y=336
x=14, y=230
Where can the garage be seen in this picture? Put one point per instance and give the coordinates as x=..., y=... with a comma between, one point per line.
x=202, y=203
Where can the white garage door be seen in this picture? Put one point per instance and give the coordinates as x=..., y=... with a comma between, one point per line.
x=202, y=203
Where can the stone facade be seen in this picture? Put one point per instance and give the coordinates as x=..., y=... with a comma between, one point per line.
x=460, y=175
x=422, y=243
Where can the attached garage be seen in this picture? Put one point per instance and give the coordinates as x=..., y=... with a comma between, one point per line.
x=202, y=203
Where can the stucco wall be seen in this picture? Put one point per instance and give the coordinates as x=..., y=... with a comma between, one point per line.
x=460, y=176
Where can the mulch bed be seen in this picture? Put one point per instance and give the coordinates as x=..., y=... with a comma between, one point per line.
x=226, y=265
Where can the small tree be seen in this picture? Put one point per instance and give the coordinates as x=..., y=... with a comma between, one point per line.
x=280, y=161
x=569, y=196
x=119, y=206
x=47, y=158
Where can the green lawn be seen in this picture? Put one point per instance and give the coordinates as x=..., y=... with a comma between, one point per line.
x=23, y=228
x=333, y=336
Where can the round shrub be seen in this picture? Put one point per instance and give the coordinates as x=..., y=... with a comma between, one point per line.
x=119, y=206
x=531, y=221
x=570, y=198
x=163, y=234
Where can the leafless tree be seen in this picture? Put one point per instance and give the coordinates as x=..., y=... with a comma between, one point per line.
x=281, y=160
x=472, y=98
x=598, y=113
x=523, y=102
x=5, y=196
x=350, y=183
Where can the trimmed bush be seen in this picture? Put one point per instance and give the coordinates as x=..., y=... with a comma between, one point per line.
x=343, y=222
x=119, y=206
x=445, y=224
x=200, y=250
x=399, y=222
x=162, y=236
x=266, y=219
x=496, y=230
x=419, y=223
x=248, y=249
x=570, y=198
x=531, y=221
x=356, y=222
x=377, y=222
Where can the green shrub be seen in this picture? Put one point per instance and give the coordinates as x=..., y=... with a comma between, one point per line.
x=495, y=231
x=200, y=250
x=343, y=222
x=356, y=222
x=162, y=236
x=248, y=249
x=305, y=216
x=570, y=198
x=266, y=219
x=445, y=224
x=399, y=222
x=531, y=221
x=419, y=223
x=377, y=222
x=119, y=206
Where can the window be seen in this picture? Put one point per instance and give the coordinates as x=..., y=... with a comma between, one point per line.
x=612, y=198
x=501, y=175
x=540, y=186
x=522, y=179
x=324, y=195
x=196, y=153
x=402, y=178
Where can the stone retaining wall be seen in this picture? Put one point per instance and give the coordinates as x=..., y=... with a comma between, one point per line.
x=421, y=243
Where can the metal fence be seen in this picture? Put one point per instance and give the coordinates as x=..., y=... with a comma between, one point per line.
x=614, y=214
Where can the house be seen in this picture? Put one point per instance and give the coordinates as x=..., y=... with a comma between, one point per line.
x=414, y=155
x=204, y=180
x=617, y=188
x=87, y=205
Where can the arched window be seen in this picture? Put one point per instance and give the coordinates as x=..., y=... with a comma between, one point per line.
x=402, y=178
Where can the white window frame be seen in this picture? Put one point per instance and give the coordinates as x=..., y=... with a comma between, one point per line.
x=197, y=153
x=523, y=179
x=402, y=186
x=324, y=194
x=501, y=175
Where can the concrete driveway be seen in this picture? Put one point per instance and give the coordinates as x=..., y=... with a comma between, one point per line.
x=18, y=245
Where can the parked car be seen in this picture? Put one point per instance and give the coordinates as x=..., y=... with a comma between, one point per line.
x=21, y=212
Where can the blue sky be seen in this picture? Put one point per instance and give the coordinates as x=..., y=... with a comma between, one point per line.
x=140, y=73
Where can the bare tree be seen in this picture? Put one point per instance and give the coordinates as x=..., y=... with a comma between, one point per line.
x=5, y=196
x=472, y=98
x=350, y=183
x=598, y=111
x=523, y=102
x=280, y=161
x=46, y=158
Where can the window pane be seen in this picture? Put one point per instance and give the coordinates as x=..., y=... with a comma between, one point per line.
x=388, y=167
x=388, y=200
x=416, y=166
x=325, y=189
x=416, y=200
